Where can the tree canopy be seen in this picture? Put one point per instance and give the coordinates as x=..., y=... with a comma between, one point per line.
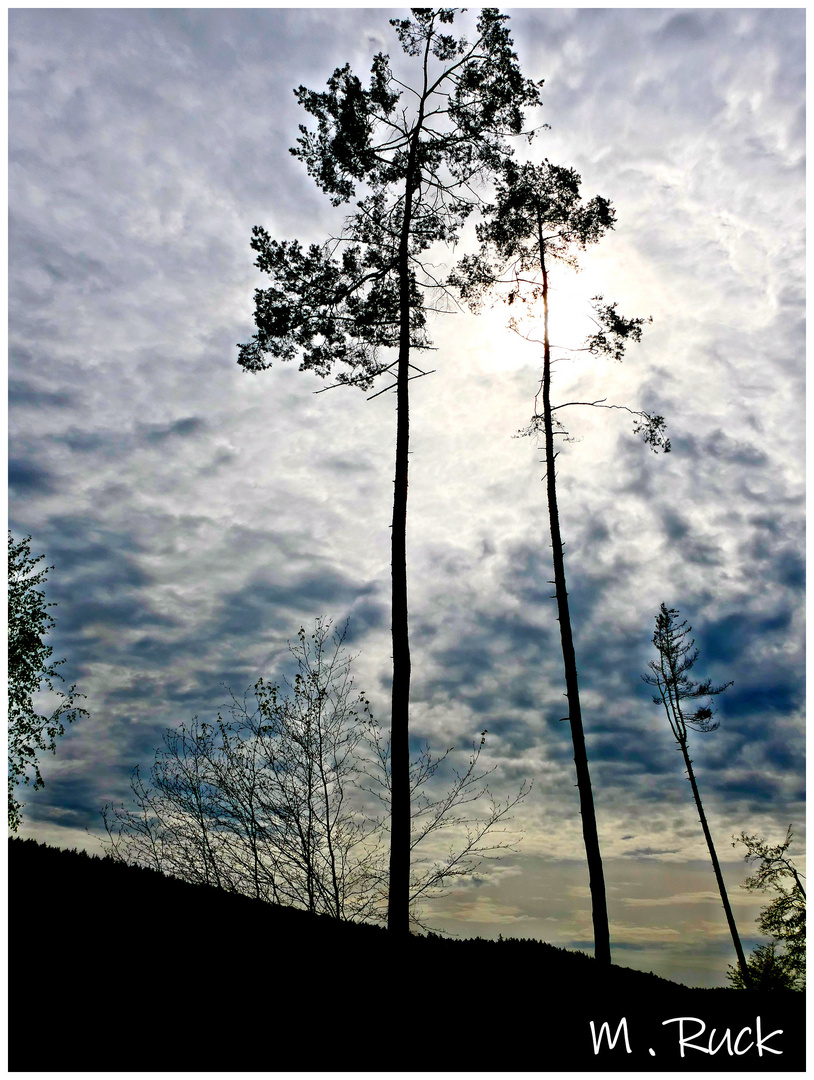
x=336, y=305
x=669, y=674
x=781, y=963
x=677, y=654
x=30, y=672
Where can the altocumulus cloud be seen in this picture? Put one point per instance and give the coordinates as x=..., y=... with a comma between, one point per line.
x=196, y=516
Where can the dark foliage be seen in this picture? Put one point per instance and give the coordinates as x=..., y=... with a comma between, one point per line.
x=31, y=672
x=677, y=655
x=538, y=218
x=147, y=973
x=780, y=963
x=416, y=160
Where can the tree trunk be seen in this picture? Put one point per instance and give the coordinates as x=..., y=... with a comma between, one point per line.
x=599, y=909
x=398, y=906
x=327, y=799
x=716, y=867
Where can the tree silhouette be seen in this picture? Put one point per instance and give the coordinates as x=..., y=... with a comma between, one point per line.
x=783, y=920
x=270, y=801
x=669, y=675
x=454, y=807
x=538, y=218
x=339, y=305
x=260, y=802
x=30, y=673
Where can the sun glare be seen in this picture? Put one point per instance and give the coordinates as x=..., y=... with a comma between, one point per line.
x=569, y=318
x=498, y=348
x=488, y=340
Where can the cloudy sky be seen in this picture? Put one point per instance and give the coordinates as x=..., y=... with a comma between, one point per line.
x=196, y=515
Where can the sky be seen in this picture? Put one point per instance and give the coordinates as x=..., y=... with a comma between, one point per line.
x=196, y=515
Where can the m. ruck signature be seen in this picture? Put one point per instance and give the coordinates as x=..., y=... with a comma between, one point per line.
x=744, y=1041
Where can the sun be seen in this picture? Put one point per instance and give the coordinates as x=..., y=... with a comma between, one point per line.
x=488, y=339
x=569, y=323
x=569, y=312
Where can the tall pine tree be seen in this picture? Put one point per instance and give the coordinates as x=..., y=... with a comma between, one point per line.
x=538, y=218
x=416, y=152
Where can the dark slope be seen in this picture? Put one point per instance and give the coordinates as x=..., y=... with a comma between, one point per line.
x=116, y=968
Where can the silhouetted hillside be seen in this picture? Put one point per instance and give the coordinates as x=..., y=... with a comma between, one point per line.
x=119, y=968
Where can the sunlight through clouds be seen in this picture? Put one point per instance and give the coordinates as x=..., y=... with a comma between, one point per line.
x=196, y=515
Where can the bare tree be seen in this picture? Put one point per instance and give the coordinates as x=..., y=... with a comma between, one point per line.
x=260, y=802
x=669, y=675
x=466, y=808
x=276, y=801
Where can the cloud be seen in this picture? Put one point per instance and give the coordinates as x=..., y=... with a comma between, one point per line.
x=24, y=478
x=486, y=910
x=197, y=516
x=159, y=433
x=632, y=936
x=671, y=901
x=22, y=393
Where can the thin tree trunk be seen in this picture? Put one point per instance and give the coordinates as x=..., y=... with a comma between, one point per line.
x=208, y=854
x=599, y=909
x=254, y=831
x=309, y=834
x=716, y=867
x=398, y=907
x=329, y=825
x=398, y=898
